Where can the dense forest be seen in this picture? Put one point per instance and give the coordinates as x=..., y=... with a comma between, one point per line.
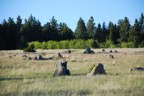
x=18, y=35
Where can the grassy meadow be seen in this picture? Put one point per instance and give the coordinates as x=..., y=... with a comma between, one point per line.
x=20, y=76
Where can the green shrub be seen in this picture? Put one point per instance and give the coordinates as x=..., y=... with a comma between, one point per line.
x=107, y=44
x=44, y=45
x=127, y=45
x=142, y=44
x=30, y=48
x=53, y=45
x=72, y=44
x=37, y=45
x=94, y=44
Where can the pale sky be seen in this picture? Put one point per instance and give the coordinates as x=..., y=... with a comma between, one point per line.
x=69, y=11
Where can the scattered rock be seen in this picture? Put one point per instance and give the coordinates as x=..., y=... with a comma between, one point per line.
x=111, y=56
x=69, y=51
x=60, y=55
x=137, y=68
x=39, y=57
x=88, y=51
x=110, y=51
x=61, y=69
x=50, y=58
x=29, y=58
x=98, y=69
x=115, y=51
x=24, y=55
x=103, y=50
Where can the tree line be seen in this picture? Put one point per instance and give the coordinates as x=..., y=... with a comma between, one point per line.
x=16, y=35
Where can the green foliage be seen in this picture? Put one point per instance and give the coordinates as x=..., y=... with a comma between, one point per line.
x=90, y=27
x=30, y=48
x=127, y=45
x=80, y=32
x=142, y=44
x=31, y=29
x=107, y=44
x=44, y=45
x=15, y=35
x=94, y=44
x=65, y=44
x=124, y=26
x=37, y=45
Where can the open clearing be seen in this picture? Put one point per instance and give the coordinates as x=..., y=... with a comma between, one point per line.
x=23, y=77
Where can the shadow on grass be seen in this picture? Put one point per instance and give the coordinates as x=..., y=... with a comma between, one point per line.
x=58, y=93
x=78, y=74
x=9, y=78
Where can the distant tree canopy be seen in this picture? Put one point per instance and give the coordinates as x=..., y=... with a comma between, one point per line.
x=16, y=35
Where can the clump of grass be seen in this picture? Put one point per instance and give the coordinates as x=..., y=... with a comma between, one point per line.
x=30, y=48
x=91, y=68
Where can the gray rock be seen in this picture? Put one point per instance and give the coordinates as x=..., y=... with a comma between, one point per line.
x=98, y=69
x=39, y=57
x=88, y=51
x=137, y=68
x=60, y=55
x=61, y=69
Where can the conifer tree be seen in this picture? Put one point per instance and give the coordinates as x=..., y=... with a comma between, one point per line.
x=80, y=32
x=90, y=28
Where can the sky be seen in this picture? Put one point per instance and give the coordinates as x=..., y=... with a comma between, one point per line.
x=69, y=11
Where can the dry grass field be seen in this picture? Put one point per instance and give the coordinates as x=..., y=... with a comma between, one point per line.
x=20, y=76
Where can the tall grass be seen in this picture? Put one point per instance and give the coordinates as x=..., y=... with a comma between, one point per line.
x=20, y=77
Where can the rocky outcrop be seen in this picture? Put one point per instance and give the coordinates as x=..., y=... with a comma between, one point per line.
x=61, y=69
x=98, y=69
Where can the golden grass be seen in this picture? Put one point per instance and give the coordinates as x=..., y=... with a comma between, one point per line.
x=20, y=77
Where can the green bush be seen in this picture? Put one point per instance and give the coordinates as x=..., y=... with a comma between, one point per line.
x=30, y=48
x=127, y=45
x=107, y=44
x=75, y=44
x=94, y=44
x=44, y=45
x=37, y=45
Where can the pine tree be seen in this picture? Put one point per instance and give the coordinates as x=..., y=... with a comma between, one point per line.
x=90, y=28
x=31, y=30
x=114, y=34
x=124, y=26
x=80, y=32
x=10, y=34
x=19, y=23
x=54, y=29
x=65, y=32
x=46, y=32
x=104, y=32
x=111, y=31
x=2, y=42
x=99, y=35
x=141, y=25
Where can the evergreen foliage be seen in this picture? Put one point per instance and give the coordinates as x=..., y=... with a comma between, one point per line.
x=80, y=32
x=16, y=35
x=90, y=28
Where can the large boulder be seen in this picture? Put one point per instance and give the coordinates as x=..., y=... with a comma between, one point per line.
x=88, y=51
x=61, y=69
x=98, y=69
